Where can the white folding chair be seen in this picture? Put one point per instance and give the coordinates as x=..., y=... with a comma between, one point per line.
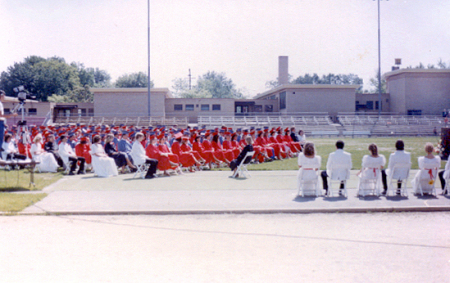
x=339, y=174
x=141, y=168
x=369, y=182
x=400, y=173
x=242, y=167
x=427, y=181
x=447, y=186
x=310, y=185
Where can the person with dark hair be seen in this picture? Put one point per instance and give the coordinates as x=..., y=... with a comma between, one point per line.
x=400, y=156
x=104, y=166
x=308, y=164
x=341, y=158
x=67, y=154
x=3, y=116
x=50, y=146
x=11, y=150
x=120, y=158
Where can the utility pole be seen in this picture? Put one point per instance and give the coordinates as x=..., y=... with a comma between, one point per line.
x=148, y=51
x=189, y=79
x=379, y=61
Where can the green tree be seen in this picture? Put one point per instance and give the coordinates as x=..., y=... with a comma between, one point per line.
x=374, y=84
x=53, y=76
x=339, y=79
x=210, y=85
x=133, y=80
x=79, y=94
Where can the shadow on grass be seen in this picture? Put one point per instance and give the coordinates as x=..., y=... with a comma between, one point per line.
x=14, y=189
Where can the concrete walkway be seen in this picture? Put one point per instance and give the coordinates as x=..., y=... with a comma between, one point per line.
x=213, y=192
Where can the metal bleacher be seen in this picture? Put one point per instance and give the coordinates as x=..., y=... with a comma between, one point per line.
x=391, y=125
x=128, y=121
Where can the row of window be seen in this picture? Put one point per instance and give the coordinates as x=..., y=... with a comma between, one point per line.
x=31, y=111
x=190, y=107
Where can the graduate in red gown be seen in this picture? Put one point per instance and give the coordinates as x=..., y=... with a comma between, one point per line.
x=163, y=147
x=228, y=154
x=188, y=160
x=278, y=148
x=269, y=151
x=186, y=148
x=228, y=145
x=164, y=162
x=82, y=149
x=207, y=155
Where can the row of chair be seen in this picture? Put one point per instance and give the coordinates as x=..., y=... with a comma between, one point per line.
x=372, y=185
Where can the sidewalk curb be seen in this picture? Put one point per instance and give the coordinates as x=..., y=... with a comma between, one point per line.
x=243, y=211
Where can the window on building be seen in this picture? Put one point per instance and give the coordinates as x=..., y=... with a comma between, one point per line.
x=91, y=112
x=269, y=108
x=376, y=105
x=282, y=100
x=369, y=105
x=178, y=107
x=216, y=107
x=81, y=112
x=7, y=111
x=189, y=107
x=204, y=107
x=32, y=111
x=257, y=108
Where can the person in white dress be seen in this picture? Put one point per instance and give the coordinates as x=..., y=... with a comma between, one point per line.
x=104, y=166
x=371, y=168
x=429, y=161
x=47, y=162
x=308, y=164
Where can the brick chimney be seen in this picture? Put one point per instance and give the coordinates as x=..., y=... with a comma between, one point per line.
x=283, y=70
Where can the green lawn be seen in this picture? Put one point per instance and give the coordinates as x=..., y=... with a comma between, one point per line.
x=19, y=180
x=12, y=202
x=357, y=147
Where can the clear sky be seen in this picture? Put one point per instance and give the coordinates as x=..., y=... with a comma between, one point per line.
x=242, y=38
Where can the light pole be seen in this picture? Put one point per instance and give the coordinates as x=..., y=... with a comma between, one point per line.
x=379, y=61
x=148, y=51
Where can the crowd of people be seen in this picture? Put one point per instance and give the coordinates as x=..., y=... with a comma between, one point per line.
x=339, y=164
x=108, y=150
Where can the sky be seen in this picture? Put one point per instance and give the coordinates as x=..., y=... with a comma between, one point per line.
x=241, y=38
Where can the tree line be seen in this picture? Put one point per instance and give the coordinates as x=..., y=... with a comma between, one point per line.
x=53, y=79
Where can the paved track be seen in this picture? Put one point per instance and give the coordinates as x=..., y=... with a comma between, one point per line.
x=212, y=192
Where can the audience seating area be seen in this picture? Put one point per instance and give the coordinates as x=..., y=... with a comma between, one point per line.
x=127, y=121
x=312, y=125
x=391, y=125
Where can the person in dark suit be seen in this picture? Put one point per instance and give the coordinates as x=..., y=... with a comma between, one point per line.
x=120, y=158
x=248, y=148
x=50, y=146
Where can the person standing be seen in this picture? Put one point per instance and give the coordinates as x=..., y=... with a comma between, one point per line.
x=3, y=117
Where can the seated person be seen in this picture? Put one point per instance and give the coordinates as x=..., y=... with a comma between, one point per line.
x=248, y=148
x=10, y=151
x=52, y=147
x=398, y=157
x=164, y=162
x=47, y=162
x=308, y=163
x=139, y=157
x=125, y=144
x=104, y=166
x=344, y=161
x=120, y=158
x=370, y=163
x=426, y=162
x=443, y=175
x=82, y=149
x=67, y=154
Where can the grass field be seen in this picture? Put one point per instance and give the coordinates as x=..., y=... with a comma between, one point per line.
x=19, y=180
x=11, y=202
x=357, y=147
